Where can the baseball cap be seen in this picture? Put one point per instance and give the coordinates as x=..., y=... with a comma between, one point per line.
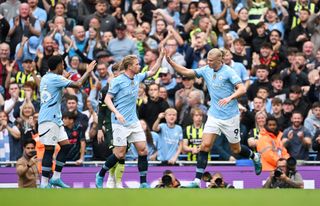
x=103, y=53
x=164, y=70
x=33, y=44
x=121, y=26
x=288, y=101
x=27, y=59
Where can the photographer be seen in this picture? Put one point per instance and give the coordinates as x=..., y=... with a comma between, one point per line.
x=216, y=181
x=285, y=175
x=27, y=166
x=168, y=180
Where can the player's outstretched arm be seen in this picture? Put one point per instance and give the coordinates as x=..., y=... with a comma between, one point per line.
x=79, y=83
x=157, y=65
x=180, y=69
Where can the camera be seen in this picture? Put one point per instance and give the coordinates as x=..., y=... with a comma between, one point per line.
x=206, y=177
x=218, y=181
x=33, y=153
x=277, y=172
x=167, y=181
x=291, y=166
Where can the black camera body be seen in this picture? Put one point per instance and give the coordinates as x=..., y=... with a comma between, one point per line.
x=277, y=172
x=33, y=153
x=167, y=181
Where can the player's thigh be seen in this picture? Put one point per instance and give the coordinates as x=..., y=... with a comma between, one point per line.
x=231, y=129
x=212, y=126
x=49, y=133
x=136, y=134
x=120, y=134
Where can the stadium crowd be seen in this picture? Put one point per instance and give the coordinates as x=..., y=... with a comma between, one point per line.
x=272, y=44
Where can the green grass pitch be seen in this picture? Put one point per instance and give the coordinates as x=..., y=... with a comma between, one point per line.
x=158, y=197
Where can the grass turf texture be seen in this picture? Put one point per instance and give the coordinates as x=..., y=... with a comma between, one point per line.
x=158, y=197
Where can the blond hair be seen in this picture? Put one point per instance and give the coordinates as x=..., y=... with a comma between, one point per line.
x=127, y=61
x=170, y=110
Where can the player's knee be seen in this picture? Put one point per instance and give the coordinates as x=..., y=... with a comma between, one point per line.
x=120, y=154
x=205, y=147
x=143, y=151
x=235, y=150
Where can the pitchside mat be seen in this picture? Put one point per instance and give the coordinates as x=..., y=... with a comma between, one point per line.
x=159, y=197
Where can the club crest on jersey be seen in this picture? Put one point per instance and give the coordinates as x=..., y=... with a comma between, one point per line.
x=214, y=76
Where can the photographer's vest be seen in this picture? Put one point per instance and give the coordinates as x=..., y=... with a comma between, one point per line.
x=22, y=78
x=297, y=8
x=194, y=137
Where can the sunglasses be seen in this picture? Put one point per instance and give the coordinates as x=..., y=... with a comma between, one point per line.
x=163, y=75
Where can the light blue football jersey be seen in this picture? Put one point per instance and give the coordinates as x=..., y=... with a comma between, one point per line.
x=125, y=93
x=168, y=141
x=51, y=86
x=221, y=84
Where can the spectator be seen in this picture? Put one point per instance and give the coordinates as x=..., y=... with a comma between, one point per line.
x=76, y=136
x=269, y=58
x=72, y=106
x=23, y=25
x=43, y=56
x=108, y=22
x=103, y=76
x=169, y=82
x=262, y=72
x=316, y=144
x=278, y=113
x=4, y=28
x=205, y=27
x=295, y=75
x=154, y=105
x=170, y=137
x=300, y=33
x=12, y=134
x=150, y=59
x=9, y=104
x=295, y=8
x=29, y=74
x=273, y=21
x=163, y=93
x=171, y=48
x=270, y=145
x=283, y=178
x=198, y=50
x=300, y=104
x=256, y=9
x=122, y=46
x=314, y=90
x=277, y=88
x=192, y=135
x=238, y=67
x=27, y=49
x=260, y=37
x=239, y=54
x=4, y=138
x=37, y=12
x=312, y=122
x=194, y=99
x=9, y=9
x=23, y=122
x=254, y=134
x=297, y=139
x=243, y=28
x=27, y=166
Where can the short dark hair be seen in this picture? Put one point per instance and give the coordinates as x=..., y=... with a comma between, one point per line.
x=70, y=115
x=315, y=105
x=271, y=118
x=29, y=141
x=240, y=41
x=54, y=61
x=71, y=97
x=276, y=101
x=263, y=67
x=276, y=77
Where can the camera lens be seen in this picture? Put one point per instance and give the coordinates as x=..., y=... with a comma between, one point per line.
x=218, y=181
x=277, y=172
x=166, y=180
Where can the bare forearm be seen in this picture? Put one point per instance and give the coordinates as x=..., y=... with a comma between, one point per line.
x=181, y=69
x=241, y=90
x=155, y=126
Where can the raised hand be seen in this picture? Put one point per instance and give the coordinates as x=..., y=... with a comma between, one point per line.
x=91, y=66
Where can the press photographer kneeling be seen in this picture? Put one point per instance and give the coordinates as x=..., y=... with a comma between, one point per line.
x=216, y=181
x=285, y=175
